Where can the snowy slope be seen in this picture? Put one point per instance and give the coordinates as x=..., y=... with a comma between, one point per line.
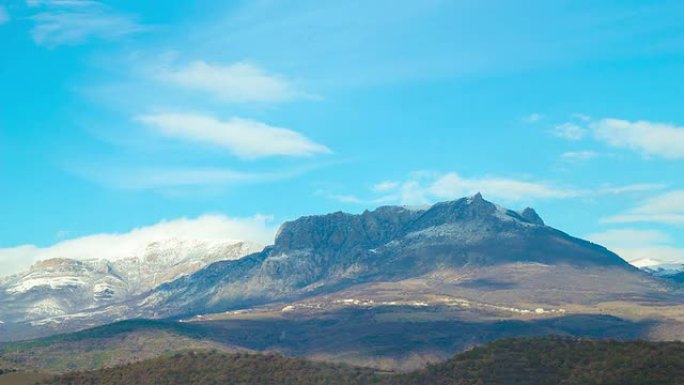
x=59, y=287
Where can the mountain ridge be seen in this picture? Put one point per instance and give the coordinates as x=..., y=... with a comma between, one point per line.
x=467, y=254
x=323, y=252
x=58, y=288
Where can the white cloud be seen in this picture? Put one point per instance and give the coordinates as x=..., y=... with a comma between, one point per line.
x=385, y=186
x=242, y=137
x=569, y=131
x=74, y=22
x=453, y=185
x=668, y=203
x=648, y=138
x=579, y=156
x=241, y=82
x=427, y=187
x=175, y=180
x=631, y=188
x=4, y=16
x=672, y=219
x=257, y=229
x=666, y=208
x=640, y=247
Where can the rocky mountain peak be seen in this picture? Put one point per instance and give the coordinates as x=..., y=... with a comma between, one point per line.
x=68, y=265
x=323, y=253
x=475, y=198
x=531, y=216
x=342, y=230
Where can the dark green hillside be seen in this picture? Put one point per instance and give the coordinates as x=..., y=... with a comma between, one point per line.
x=395, y=338
x=107, y=346
x=215, y=368
x=524, y=361
x=541, y=361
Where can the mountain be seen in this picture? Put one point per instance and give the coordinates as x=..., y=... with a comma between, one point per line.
x=330, y=253
x=59, y=289
x=395, y=287
x=671, y=271
x=526, y=361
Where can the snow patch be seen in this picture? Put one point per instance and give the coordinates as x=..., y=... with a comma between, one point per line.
x=52, y=283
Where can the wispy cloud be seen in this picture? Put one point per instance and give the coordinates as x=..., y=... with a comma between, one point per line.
x=4, y=16
x=385, y=186
x=428, y=187
x=648, y=138
x=630, y=237
x=169, y=178
x=579, y=156
x=75, y=22
x=667, y=208
x=257, y=229
x=640, y=247
x=569, y=131
x=630, y=188
x=243, y=137
x=236, y=82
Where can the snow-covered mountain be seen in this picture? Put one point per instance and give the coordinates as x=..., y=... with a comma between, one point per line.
x=669, y=270
x=60, y=287
x=664, y=269
x=661, y=268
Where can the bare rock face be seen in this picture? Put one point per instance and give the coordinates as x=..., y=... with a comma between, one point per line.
x=531, y=216
x=321, y=254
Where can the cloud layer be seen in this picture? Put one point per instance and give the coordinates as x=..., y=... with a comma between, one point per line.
x=74, y=22
x=667, y=208
x=237, y=82
x=569, y=131
x=171, y=179
x=579, y=156
x=640, y=247
x=428, y=187
x=651, y=139
x=257, y=229
x=648, y=138
x=243, y=137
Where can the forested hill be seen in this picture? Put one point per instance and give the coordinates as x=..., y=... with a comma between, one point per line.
x=526, y=361
x=552, y=360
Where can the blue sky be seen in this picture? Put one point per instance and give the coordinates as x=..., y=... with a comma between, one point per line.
x=120, y=115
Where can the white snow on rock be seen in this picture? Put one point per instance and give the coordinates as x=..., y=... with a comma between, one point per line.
x=58, y=288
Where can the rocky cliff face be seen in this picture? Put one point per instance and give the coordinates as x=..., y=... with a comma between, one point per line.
x=58, y=288
x=321, y=254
